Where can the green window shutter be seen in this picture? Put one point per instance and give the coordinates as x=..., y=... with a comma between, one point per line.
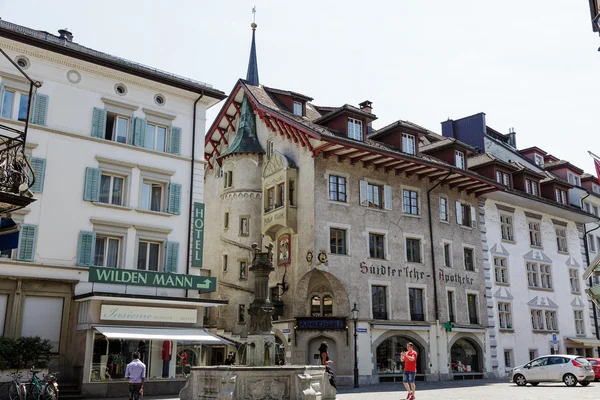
x=172, y=257
x=40, y=109
x=27, y=239
x=175, y=141
x=39, y=168
x=85, y=250
x=99, y=123
x=139, y=131
x=91, y=189
x=174, y=198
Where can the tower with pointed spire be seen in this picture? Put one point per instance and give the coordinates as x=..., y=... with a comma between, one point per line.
x=252, y=74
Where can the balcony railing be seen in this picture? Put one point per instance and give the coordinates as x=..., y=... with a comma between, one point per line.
x=380, y=315
x=417, y=317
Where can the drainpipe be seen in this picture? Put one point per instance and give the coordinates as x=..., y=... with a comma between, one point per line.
x=587, y=259
x=191, y=208
x=435, y=292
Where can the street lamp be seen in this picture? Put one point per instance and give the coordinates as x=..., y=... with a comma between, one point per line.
x=355, y=317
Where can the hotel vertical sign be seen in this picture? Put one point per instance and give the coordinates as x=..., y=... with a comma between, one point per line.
x=198, y=235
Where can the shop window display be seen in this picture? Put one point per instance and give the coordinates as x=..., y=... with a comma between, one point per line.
x=465, y=357
x=388, y=356
x=164, y=359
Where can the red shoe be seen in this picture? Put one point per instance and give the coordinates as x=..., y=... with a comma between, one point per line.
x=412, y=397
x=408, y=396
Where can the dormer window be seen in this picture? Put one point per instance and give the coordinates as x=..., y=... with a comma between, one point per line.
x=503, y=178
x=408, y=143
x=355, y=130
x=561, y=196
x=531, y=187
x=298, y=108
x=539, y=160
x=574, y=179
x=596, y=189
x=459, y=159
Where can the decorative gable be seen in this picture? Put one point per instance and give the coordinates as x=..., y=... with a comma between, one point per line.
x=577, y=302
x=537, y=255
x=499, y=249
x=542, y=301
x=503, y=294
x=572, y=263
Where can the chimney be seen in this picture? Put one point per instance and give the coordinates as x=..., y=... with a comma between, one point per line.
x=512, y=138
x=367, y=106
x=65, y=34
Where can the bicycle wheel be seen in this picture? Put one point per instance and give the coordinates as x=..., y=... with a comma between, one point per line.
x=13, y=392
x=50, y=392
x=33, y=392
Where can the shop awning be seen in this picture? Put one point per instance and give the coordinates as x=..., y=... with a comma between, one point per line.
x=178, y=334
x=9, y=234
x=585, y=341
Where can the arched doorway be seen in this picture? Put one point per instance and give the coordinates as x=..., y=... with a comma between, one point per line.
x=313, y=350
x=465, y=356
x=388, y=358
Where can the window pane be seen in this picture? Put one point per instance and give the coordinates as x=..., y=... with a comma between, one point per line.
x=112, y=257
x=153, y=258
x=315, y=306
x=99, y=252
x=23, y=107
x=161, y=138
x=156, y=197
x=327, y=306
x=7, y=104
x=121, y=135
x=117, y=191
x=146, y=188
x=104, y=189
x=142, y=255
x=149, y=142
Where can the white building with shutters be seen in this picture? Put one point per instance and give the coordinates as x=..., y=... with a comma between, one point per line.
x=117, y=171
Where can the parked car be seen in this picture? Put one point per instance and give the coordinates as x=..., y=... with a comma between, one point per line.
x=569, y=369
x=595, y=366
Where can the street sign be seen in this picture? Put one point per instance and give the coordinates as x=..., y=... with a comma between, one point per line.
x=554, y=338
x=286, y=330
x=198, y=235
x=149, y=278
x=361, y=330
x=555, y=348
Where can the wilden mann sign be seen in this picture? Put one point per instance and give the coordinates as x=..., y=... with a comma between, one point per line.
x=156, y=279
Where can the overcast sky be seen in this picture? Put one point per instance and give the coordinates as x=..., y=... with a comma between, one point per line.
x=530, y=65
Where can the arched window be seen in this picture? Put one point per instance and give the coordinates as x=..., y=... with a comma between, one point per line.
x=465, y=357
x=321, y=305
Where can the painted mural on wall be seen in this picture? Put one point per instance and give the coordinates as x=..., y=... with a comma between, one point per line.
x=284, y=248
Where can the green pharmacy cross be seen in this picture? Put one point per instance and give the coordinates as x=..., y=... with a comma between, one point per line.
x=448, y=326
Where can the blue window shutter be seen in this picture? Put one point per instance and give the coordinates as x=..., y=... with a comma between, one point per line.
x=85, y=250
x=98, y=123
x=139, y=131
x=40, y=109
x=27, y=239
x=172, y=257
x=175, y=141
x=174, y=198
x=39, y=167
x=91, y=189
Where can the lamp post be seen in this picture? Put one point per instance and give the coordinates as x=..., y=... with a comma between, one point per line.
x=355, y=317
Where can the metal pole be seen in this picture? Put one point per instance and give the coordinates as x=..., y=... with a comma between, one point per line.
x=355, y=355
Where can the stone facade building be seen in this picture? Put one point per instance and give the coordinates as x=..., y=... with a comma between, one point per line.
x=533, y=235
x=102, y=263
x=387, y=220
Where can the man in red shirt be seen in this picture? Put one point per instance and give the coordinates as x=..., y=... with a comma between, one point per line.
x=410, y=370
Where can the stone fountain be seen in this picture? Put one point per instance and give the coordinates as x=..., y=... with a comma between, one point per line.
x=259, y=379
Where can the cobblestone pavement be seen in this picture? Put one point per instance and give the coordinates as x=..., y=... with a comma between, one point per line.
x=484, y=390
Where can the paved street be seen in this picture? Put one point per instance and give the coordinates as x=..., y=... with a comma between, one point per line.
x=487, y=390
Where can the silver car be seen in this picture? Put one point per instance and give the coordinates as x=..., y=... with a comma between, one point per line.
x=567, y=368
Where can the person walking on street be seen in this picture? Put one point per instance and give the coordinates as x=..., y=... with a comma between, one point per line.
x=136, y=373
x=410, y=370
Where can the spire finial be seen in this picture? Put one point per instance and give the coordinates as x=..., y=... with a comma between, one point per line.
x=252, y=74
x=253, y=25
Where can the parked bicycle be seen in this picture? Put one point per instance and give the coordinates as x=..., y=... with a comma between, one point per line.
x=43, y=389
x=16, y=390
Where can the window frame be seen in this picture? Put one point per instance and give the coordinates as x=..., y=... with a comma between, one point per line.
x=108, y=238
x=509, y=235
x=561, y=239
x=447, y=255
x=115, y=127
x=226, y=216
x=573, y=179
x=373, y=254
x=345, y=240
x=533, y=233
x=532, y=187
x=508, y=363
x=163, y=194
x=503, y=269
x=321, y=296
x=591, y=243
x=460, y=155
x=371, y=195
x=546, y=276
x=451, y=300
x=444, y=215
x=419, y=244
x=160, y=258
x=536, y=158
x=227, y=179
x=338, y=193
x=533, y=271
x=413, y=207
x=579, y=322
x=409, y=142
x=353, y=125
x=243, y=268
x=241, y=314
x=472, y=251
x=421, y=290
x=155, y=136
x=476, y=311
x=270, y=148
x=112, y=176
x=16, y=104
x=295, y=109
x=241, y=225
x=574, y=280
x=224, y=263
x=375, y=314
x=504, y=309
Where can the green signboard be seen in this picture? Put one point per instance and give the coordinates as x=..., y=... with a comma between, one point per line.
x=149, y=278
x=198, y=235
